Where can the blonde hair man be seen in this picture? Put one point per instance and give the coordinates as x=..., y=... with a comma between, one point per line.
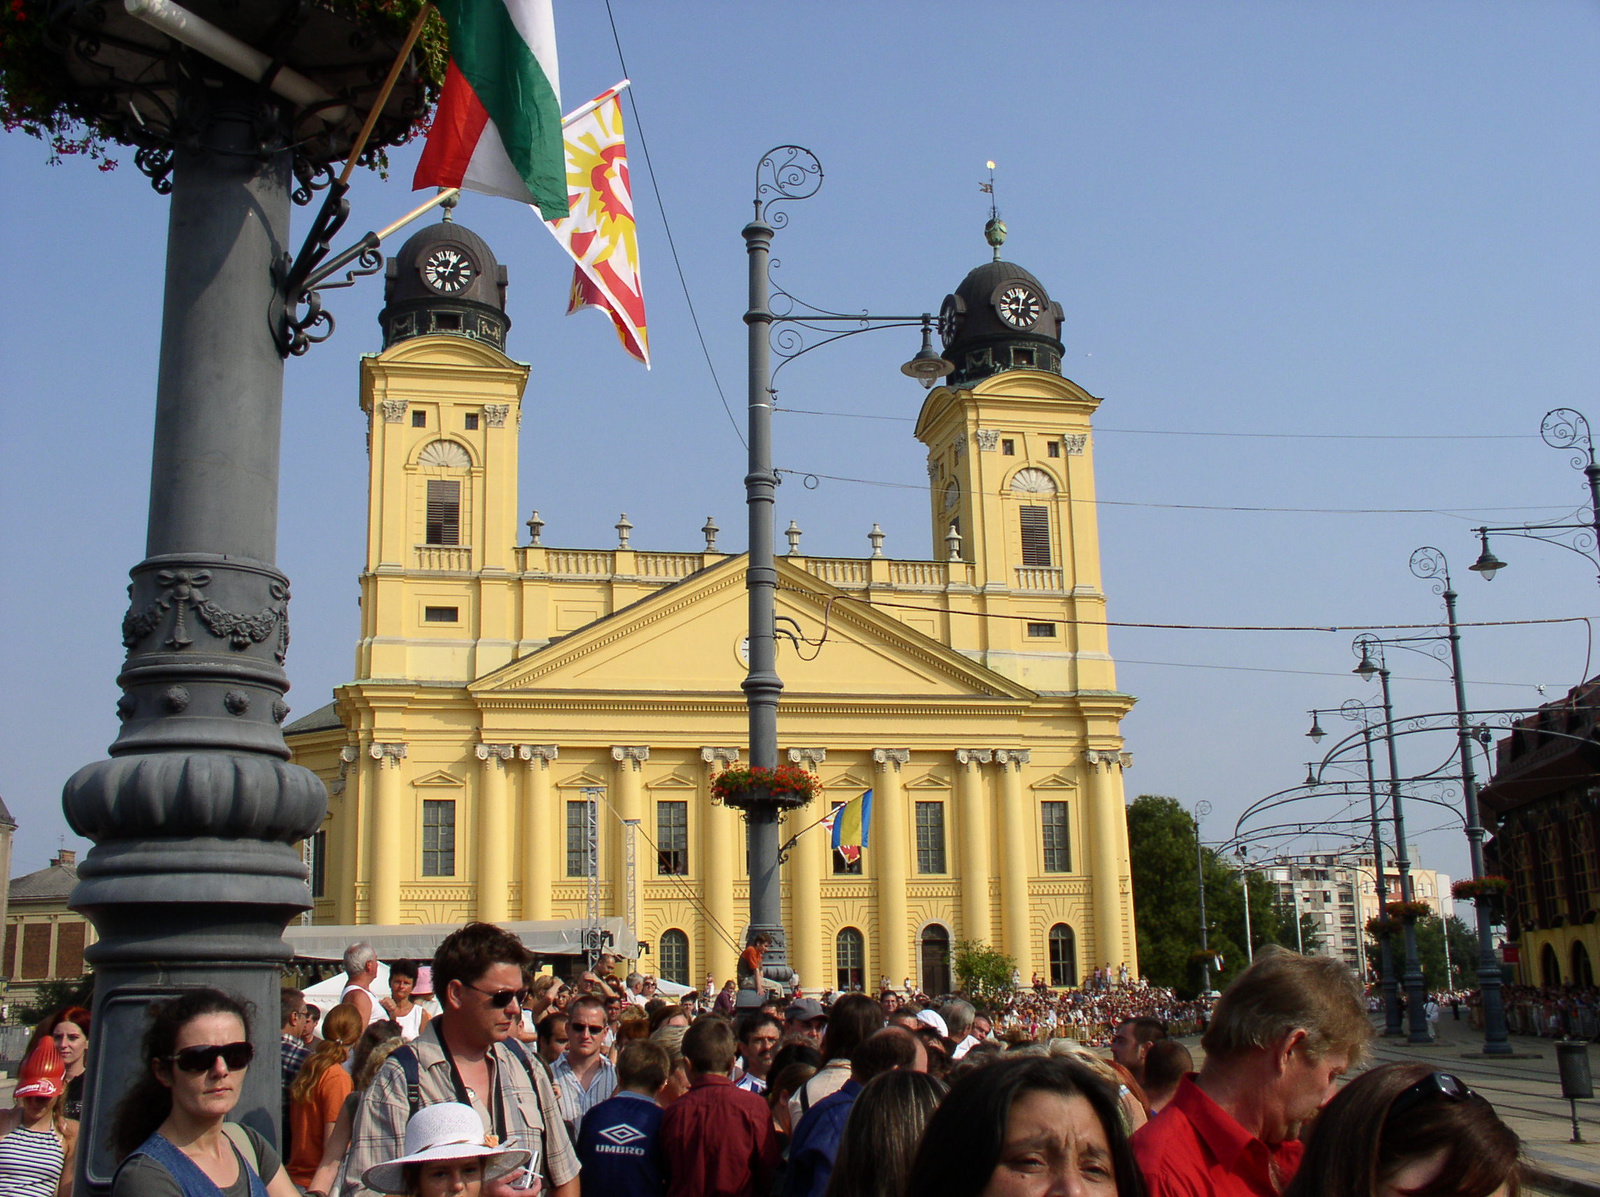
x=1280, y=1038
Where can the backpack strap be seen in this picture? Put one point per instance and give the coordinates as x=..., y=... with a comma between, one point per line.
x=406, y=1056
x=244, y=1144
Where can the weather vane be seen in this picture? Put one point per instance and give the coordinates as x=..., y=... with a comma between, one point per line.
x=995, y=231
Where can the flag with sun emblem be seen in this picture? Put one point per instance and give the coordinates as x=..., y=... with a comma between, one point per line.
x=600, y=234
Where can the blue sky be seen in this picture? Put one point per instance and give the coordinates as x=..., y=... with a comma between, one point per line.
x=1316, y=259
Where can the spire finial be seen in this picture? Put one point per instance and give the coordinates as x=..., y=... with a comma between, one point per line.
x=448, y=205
x=995, y=231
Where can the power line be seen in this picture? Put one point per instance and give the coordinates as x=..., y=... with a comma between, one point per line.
x=655, y=187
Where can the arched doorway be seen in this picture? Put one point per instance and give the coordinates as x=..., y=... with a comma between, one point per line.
x=849, y=958
x=1063, y=956
x=935, y=960
x=1549, y=966
x=1582, y=969
x=674, y=956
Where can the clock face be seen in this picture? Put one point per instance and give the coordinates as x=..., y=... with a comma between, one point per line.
x=448, y=270
x=950, y=320
x=1019, y=305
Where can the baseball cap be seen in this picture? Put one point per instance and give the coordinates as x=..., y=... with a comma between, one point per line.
x=805, y=1010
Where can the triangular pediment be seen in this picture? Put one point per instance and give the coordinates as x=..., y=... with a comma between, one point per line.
x=439, y=778
x=579, y=780
x=672, y=781
x=689, y=638
x=847, y=782
x=1058, y=781
x=930, y=781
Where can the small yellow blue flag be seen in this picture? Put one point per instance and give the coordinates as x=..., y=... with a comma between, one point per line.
x=851, y=824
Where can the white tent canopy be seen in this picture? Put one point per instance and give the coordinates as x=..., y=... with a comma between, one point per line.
x=557, y=937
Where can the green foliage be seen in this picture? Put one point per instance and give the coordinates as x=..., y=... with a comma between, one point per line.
x=981, y=971
x=52, y=995
x=1431, y=933
x=1166, y=899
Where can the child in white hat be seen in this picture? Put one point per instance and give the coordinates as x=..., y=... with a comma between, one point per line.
x=447, y=1155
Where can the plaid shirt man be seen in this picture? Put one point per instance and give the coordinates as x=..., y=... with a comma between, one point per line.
x=380, y=1125
x=294, y=1054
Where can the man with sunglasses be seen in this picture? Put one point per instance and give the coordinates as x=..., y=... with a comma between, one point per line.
x=468, y=1054
x=1283, y=1033
x=583, y=1076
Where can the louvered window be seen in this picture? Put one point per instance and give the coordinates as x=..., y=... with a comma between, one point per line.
x=1035, y=535
x=444, y=511
x=438, y=839
x=1057, y=847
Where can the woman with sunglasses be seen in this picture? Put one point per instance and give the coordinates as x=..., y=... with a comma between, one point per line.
x=169, y=1131
x=1404, y=1130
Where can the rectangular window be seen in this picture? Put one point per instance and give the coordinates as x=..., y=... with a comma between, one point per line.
x=579, y=862
x=930, y=837
x=672, y=839
x=1008, y=448
x=317, y=862
x=472, y=421
x=1046, y=630
x=441, y=615
x=419, y=419
x=438, y=838
x=1035, y=535
x=1053, y=449
x=1057, y=845
x=444, y=511
x=843, y=866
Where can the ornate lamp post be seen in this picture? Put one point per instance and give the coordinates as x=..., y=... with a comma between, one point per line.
x=1372, y=662
x=1201, y=810
x=193, y=877
x=1359, y=712
x=786, y=173
x=1561, y=428
x=1429, y=564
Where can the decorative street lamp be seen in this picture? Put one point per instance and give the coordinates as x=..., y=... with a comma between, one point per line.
x=1360, y=712
x=1429, y=564
x=1201, y=810
x=1372, y=662
x=786, y=173
x=1562, y=428
x=193, y=875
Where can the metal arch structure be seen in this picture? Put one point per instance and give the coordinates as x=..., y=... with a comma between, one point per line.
x=1566, y=429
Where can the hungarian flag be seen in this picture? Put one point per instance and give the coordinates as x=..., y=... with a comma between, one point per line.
x=498, y=126
x=600, y=234
x=849, y=826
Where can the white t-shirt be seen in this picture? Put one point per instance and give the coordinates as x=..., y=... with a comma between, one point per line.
x=376, y=1012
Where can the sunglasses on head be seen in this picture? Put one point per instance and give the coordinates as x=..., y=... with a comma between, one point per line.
x=501, y=998
x=200, y=1058
x=1435, y=1084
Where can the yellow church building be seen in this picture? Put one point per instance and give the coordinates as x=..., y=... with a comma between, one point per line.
x=507, y=693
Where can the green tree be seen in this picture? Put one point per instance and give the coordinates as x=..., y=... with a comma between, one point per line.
x=1431, y=932
x=981, y=971
x=53, y=995
x=1166, y=898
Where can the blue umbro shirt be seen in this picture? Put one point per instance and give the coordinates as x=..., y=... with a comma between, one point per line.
x=618, y=1146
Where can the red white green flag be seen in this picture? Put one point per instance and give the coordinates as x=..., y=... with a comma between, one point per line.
x=498, y=126
x=600, y=234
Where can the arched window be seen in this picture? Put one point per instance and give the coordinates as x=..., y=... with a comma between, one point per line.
x=935, y=960
x=849, y=959
x=1035, y=517
x=674, y=949
x=1063, y=956
x=1582, y=969
x=1550, y=966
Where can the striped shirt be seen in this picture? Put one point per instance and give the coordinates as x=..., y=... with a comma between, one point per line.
x=30, y=1163
x=576, y=1101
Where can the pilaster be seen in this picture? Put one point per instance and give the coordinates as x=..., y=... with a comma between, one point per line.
x=892, y=847
x=807, y=866
x=493, y=815
x=538, y=831
x=388, y=820
x=1111, y=880
x=1017, y=834
x=972, y=832
x=629, y=771
x=717, y=870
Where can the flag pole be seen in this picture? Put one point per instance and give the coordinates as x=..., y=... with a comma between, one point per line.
x=383, y=93
x=585, y=109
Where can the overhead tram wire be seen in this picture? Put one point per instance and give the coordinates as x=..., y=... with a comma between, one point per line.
x=644, y=148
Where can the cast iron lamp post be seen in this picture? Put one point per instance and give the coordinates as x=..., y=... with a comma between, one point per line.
x=784, y=174
x=1356, y=711
x=1201, y=810
x=1372, y=662
x=1429, y=564
x=1562, y=428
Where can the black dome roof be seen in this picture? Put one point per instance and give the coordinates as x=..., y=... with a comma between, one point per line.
x=980, y=342
x=413, y=308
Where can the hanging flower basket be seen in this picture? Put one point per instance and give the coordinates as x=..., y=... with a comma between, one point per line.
x=788, y=787
x=1409, y=910
x=1208, y=956
x=1490, y=888
x=1381, y=929
x=83, y=76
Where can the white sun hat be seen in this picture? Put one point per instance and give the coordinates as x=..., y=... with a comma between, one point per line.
x=446, y=1131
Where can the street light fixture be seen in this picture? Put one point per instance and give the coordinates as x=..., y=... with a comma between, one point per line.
x=1561, y=428
x=1201, y=810
x=784, y=174
x=1316, y=733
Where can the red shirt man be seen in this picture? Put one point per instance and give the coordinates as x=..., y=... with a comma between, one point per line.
x=716, y=1140
x=1283, y=1033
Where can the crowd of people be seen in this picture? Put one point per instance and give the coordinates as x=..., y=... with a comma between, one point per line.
x=477, y=1078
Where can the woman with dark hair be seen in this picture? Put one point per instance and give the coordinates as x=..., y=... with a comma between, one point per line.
x=69, y=1027
x=169, y=1132
x=852, y=1020
x=881, y=1135
x=398, y=1005
x=1403, y=1130
x=1021, y=1125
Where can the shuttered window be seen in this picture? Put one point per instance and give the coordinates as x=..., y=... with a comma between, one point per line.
x=672, y=839
x=444, y=511
x=930, y=837
x=1035, y=535
x=438, y=839
x=1057, y=847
